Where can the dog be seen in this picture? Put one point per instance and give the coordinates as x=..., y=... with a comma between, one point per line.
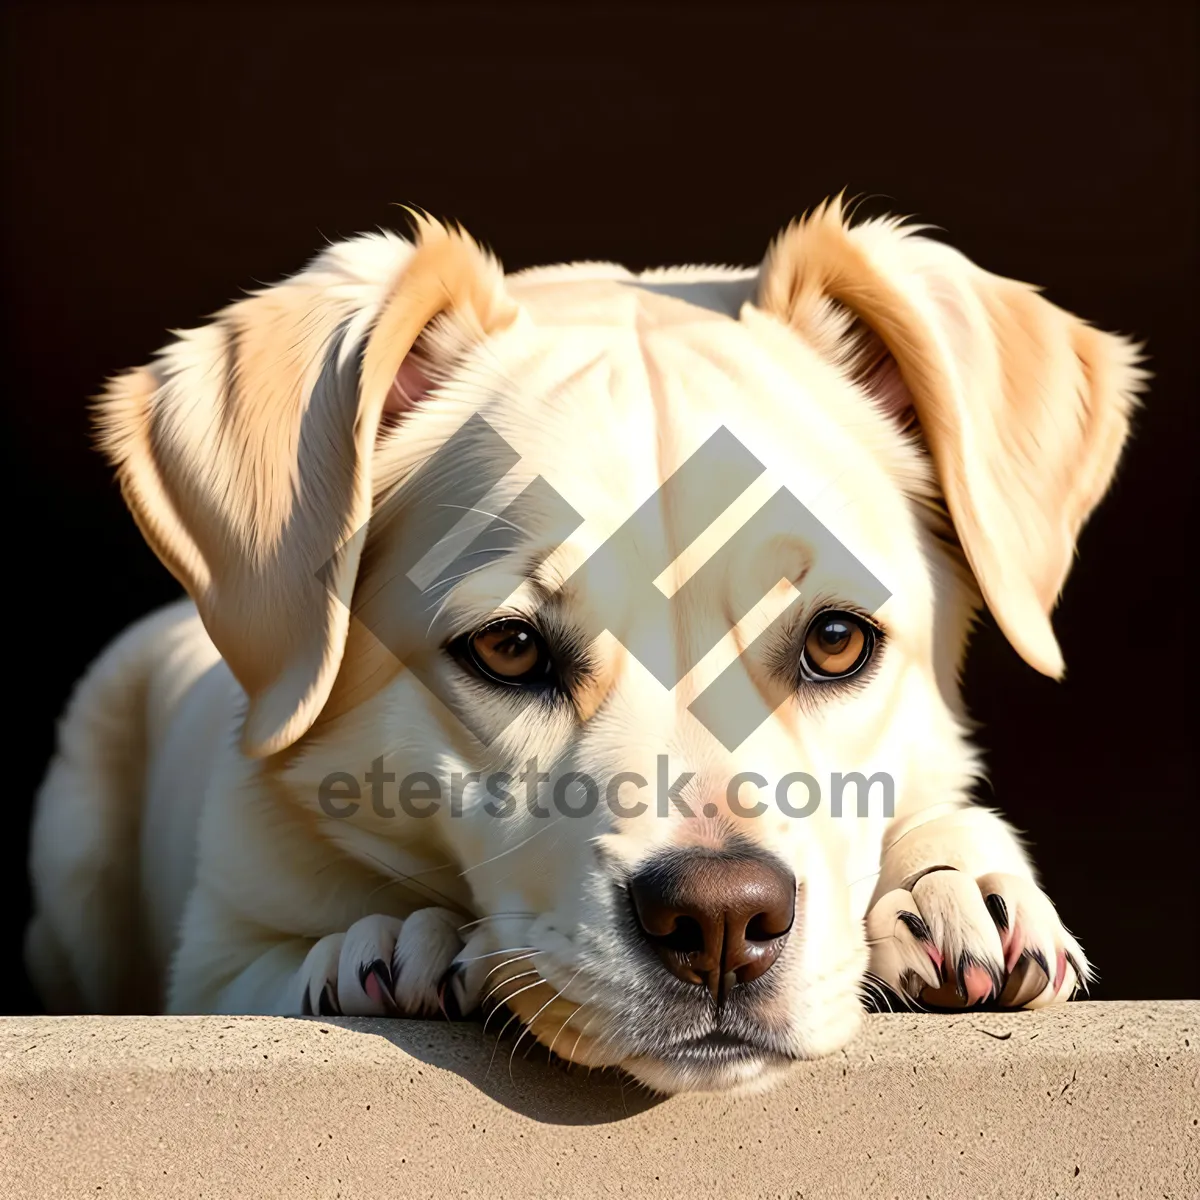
x=299, y=791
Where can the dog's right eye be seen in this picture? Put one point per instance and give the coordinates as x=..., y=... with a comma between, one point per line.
x=511, y=651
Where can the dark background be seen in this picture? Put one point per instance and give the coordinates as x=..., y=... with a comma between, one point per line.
x=158, y=159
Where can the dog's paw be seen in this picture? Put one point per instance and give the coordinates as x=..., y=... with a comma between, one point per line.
x=954, y=941
x=387, y=967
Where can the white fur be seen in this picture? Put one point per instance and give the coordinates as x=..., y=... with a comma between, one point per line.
x=181, y=859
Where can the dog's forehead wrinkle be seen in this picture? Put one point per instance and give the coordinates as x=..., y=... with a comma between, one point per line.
x=721, y=294
x=664, y=419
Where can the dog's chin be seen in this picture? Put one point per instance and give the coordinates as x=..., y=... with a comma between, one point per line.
x=709, y=1064
x=719, y=1062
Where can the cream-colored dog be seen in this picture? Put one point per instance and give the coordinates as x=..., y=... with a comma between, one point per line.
x=286, y=795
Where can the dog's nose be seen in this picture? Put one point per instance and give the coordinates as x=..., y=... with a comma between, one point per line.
x=715, y=920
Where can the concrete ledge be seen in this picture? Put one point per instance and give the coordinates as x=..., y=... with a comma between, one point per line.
x=1089, y=1100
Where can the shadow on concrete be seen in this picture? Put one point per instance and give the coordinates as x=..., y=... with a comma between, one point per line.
x=514, y=1071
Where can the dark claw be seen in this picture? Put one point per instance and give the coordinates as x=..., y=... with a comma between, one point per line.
x=912, y=881
x=916, y=926
x=447, y=1000
x=960, y=974
x=998, y=909
x=328, y=1005
x=383, y=973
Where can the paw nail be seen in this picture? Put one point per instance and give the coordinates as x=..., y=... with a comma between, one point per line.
x=915, y=925
x=376, y=981
x=998, y=909
x=447, y=999
x=913, y=880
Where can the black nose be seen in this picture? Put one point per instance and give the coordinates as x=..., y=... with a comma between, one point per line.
x=715, y=920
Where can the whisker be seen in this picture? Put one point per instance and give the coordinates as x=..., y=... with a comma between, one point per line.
x=439, y=584
x=529, y=1023
x=883, y=998
x=506, y=980
x=388, y=883
x=508, y=963
x=524, y=842
x=365, y=909
x=445, y=580
x=610, y=1037
x=492, y=954
x=491, y=516
x=584, y=1030
x=494, y=917
x=499, y=1038
x=863, y=878
x=882, y=991
x=400, y=877
x=514, y=1017
x=437, y=612
x=570, y=1017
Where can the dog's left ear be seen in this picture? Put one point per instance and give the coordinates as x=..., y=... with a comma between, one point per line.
x=1024, y=407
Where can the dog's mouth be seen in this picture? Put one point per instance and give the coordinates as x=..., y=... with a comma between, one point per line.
x=713, y=1059
x=717, y=1054
x=717, y=1046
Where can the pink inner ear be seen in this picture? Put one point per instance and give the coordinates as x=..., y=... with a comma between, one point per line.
x=886, y=386
x=408, y=389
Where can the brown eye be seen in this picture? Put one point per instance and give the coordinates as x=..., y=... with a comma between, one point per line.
x=837, y=644
x=511, y=651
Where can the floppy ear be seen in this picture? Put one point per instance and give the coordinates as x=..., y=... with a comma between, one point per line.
x=244, y=452
x=1024, y=408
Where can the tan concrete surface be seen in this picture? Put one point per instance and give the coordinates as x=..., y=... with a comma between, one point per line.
x=1091, y=1100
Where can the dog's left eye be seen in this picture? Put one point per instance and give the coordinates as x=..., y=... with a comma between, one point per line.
x=511, y=651
x=836, y=645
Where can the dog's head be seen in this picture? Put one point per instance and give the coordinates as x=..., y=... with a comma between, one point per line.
x=650, y=575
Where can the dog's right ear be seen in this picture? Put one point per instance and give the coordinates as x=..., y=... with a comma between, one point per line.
x=244, y=451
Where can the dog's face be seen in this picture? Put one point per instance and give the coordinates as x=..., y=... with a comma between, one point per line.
x=629, y=657
x=606, y=390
